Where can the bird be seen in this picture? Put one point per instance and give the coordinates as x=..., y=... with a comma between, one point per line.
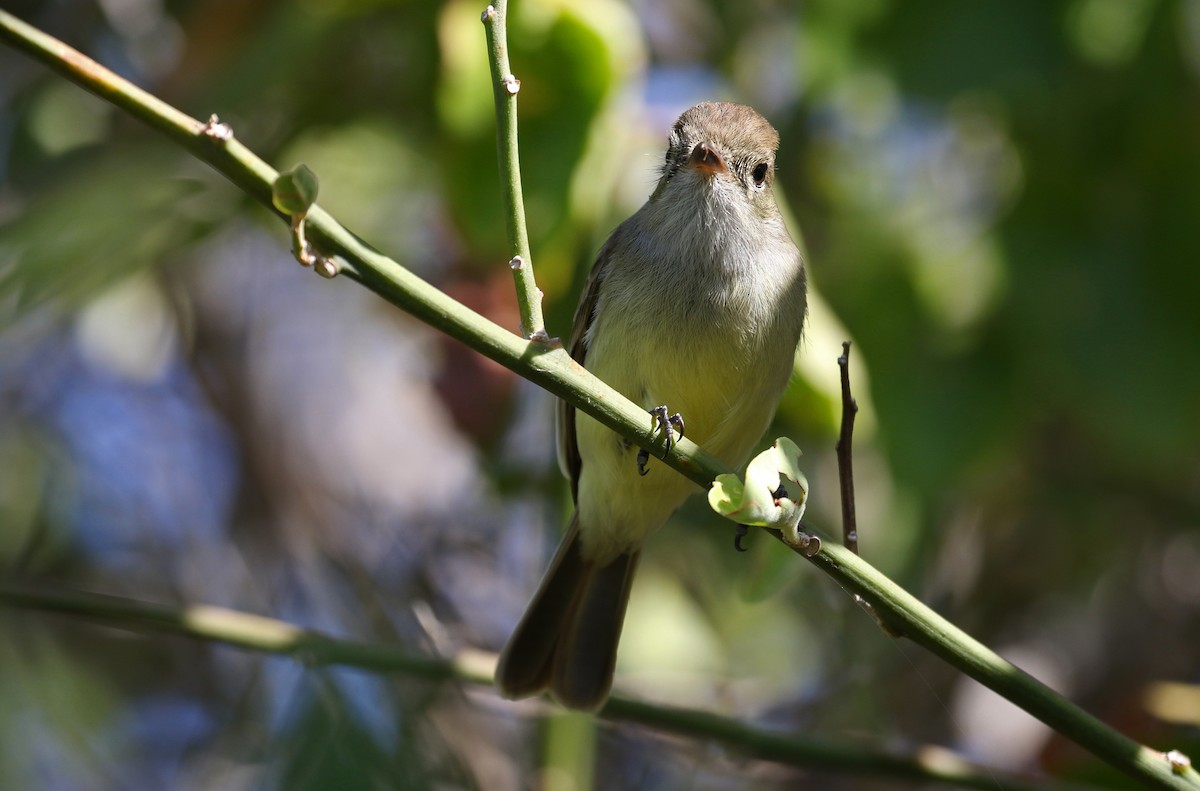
x=697, y=302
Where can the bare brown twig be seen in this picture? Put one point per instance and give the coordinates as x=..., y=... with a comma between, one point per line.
x=845, y=454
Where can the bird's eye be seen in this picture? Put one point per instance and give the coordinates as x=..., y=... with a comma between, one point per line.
x=760, y=174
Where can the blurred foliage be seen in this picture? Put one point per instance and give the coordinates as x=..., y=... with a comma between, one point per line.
x=997, y=201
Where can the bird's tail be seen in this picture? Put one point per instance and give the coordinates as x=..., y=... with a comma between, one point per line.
x=567, y=640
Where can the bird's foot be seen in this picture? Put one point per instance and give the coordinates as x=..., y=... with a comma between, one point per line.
x=670, y=426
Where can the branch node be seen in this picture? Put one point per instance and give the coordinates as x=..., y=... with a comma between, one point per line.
x=488, y=15
x=1178, y=761
x=327, y=267
x=511, y=84
x=216, y=130
x=517, y=263
x=806, y=543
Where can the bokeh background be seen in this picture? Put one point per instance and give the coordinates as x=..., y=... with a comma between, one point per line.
x=999, y=203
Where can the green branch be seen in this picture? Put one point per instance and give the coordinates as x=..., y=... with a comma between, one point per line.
x=904, y=614
x=267, y=635
x=550, y=367
x=505, y=87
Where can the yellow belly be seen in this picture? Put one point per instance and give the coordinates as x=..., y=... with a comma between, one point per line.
x=726, y=408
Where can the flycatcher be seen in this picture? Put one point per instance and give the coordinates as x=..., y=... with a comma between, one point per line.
x=697, y=302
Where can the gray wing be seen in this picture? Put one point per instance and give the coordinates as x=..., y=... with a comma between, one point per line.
x=568, y=447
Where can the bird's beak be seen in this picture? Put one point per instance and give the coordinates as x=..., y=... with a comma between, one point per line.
x=706, y=159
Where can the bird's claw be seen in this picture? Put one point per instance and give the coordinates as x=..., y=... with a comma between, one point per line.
x=676, y=422
x=671, y=427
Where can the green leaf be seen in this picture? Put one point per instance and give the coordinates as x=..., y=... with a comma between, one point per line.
x=295, y=191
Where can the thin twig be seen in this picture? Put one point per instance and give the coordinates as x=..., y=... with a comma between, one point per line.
x=845, y=454
x=315, y=649
x=505, y=87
